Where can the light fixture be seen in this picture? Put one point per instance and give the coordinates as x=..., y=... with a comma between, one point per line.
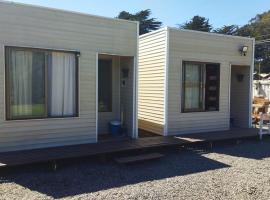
x=125, y=73
x=243, y=50
x=240, y=77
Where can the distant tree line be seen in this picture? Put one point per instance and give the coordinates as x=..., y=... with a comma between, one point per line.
x=147, y=24
x=258, y=27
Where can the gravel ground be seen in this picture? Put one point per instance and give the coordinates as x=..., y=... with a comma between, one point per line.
x=228, y=171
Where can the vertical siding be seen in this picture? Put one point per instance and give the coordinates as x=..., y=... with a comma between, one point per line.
x=46, y=28
x=240, y=93
x=196, y=46
x=152, y=62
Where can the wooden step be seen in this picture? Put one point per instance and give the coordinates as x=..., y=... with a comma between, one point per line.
x=138, y=158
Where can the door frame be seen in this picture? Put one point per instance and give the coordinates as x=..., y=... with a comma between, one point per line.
x=250, y=90
x=135, y=92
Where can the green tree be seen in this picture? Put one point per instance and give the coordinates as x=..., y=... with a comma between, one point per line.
x=228, y=30
x=259, y=28
x=147, y=24
x=197, y=23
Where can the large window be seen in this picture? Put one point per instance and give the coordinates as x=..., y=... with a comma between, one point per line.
x=200, y=87
x=40, y=83
x=105, y=85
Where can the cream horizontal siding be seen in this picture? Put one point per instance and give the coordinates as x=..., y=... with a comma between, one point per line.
x=55, y=29
x=196, y=46
x=152, y=62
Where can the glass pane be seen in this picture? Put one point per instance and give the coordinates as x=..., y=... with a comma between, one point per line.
x=105, y=85
x=62, y=84
x=212, y=87
x=26, y=84
x=192, y=90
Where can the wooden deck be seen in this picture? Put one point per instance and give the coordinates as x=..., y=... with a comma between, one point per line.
x=236, y=133
x=116, y=146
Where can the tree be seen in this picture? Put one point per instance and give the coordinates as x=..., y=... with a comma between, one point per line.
x=147, y=24
x=259, y=28
x=228, y=30
x=197, y=23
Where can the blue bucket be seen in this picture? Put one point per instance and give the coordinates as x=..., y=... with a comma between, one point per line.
x=115, y=128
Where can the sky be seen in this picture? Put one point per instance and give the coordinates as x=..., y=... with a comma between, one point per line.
x=170, y=12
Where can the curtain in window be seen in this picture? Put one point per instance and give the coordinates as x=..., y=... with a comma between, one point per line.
x=62, y=84
x=21, y=83
x=192, y=86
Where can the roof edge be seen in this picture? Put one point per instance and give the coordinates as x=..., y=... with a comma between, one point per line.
x=65, y=11
x=211, y=33
x=166, y=28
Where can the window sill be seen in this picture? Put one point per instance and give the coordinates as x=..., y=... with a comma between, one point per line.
x=186, y=112
x=42, y=119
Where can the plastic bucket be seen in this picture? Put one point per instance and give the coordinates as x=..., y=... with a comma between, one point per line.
x=115, y=128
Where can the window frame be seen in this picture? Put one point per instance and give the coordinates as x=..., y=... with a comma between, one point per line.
x=7, y=83
x=183, y=110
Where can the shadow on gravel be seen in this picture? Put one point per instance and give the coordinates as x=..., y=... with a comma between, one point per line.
x=90, y=175
x=248, y=149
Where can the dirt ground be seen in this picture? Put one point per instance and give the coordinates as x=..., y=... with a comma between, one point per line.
x=228, y=171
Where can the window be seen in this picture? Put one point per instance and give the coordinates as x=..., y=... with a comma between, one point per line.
x=200, y=87
x=40, y=83
x=105, y=85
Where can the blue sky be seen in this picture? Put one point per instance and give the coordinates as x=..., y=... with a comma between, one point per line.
x=170, y=12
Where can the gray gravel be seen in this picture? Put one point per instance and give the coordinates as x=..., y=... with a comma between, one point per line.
x=228, y=171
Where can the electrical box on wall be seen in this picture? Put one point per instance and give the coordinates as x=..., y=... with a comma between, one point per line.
x=125, y=73
x=124, y=77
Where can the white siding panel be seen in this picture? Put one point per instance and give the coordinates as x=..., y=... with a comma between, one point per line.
x=47, y=28
x=195, y=46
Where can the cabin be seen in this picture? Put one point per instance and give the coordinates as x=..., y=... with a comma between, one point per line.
x=65, y=77
x=194, y=82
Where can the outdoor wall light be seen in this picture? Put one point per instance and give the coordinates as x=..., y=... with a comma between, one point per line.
x=125, y=73
x=78, y=54
x=243, y=50
x=240, y=77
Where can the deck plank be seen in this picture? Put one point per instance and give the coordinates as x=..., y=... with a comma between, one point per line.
x=237, y=133
x=116, y=146
x=138, y=158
